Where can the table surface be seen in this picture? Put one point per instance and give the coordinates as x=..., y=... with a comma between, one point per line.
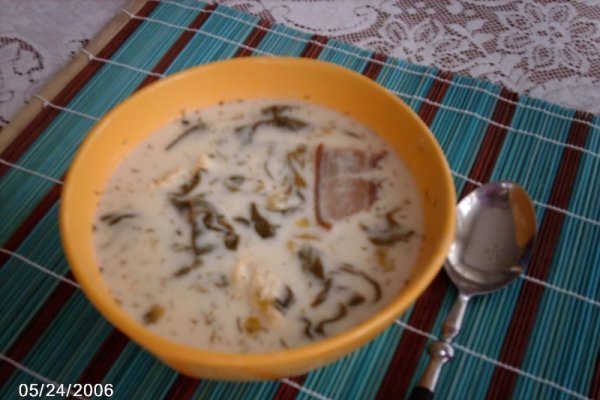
x=539, y=337
x=548, y=50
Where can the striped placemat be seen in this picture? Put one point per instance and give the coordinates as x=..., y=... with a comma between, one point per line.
x=538, y=339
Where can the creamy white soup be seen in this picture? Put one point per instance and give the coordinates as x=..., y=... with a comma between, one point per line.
x=258, y=225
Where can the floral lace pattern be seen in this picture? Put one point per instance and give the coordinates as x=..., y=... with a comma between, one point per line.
x=548, y=49
x=37, y=38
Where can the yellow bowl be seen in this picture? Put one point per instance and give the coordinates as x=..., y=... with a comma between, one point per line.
x=293, y=78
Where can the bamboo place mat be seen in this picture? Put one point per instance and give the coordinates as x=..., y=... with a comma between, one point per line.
x=537, y=339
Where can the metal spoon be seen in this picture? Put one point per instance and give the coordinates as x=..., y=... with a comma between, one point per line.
x=495, y=232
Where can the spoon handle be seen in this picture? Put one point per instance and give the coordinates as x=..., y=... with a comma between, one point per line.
x=441, y=351
x=455, y=317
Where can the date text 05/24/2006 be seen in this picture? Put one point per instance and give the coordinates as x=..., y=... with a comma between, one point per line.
x=45, y=390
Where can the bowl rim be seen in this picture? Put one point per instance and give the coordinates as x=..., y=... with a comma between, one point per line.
x=333, y=345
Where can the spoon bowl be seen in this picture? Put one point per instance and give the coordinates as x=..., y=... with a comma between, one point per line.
x=495, y=233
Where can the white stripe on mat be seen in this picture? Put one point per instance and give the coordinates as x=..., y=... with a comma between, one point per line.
x=31, y=172
x=36, y=375
x=304, y=390
x=40, y=267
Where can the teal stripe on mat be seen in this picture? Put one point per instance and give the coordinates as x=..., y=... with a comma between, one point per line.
x=77, y=331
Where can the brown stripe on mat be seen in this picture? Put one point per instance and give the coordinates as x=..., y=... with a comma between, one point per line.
x=435, y=95
x=115, y=342
x=30, y=222
x=313, y=49
x=490, y=147
x=254, y=39
x=36, y=327
x=105, y=358
x=411, y=346
x=287, y=392
x=35, y=128
x=374, y=66
x=179, y=45
x=595, y=383
x=523, y=317
x=184, y=387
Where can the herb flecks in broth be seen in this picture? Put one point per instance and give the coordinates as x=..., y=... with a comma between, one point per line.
x=356, y=300
x=234, y=182
x=223, y=282
x=114, y=218
x=351, y=269
x=389, y=234
x=263, y=227
x=307, y=327
x=287, y=301
x=186, y=269
x=153, y=314
x=197, y=210
x=275, y=118
x=310, y=261
x=341, y=313
x=322, y=295
x=297, y=159
x=199, y=127
x=252, y=325
x=194, y=181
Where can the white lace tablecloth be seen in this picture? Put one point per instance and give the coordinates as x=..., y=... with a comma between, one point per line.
x=547, y=49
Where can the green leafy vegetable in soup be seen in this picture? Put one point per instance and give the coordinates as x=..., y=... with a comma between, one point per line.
x=258, y=225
